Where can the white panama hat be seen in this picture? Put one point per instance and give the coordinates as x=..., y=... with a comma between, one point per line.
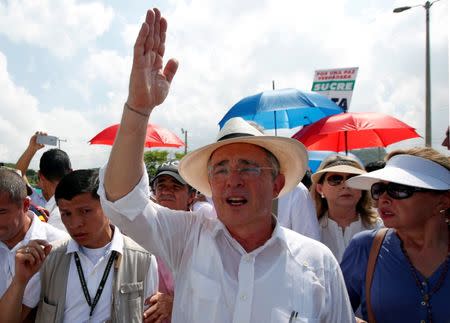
x=290, y=153
x=407, y=170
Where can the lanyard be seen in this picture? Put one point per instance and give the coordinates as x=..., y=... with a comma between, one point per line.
x=100, y=286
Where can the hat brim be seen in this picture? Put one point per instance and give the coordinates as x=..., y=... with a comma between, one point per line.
x=175, y=175
x=290, y=153
x=346, y=169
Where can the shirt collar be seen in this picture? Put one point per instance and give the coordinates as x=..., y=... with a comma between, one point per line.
x=326, y=221
x=278, y=234
x=116, y=243
x=36, y=230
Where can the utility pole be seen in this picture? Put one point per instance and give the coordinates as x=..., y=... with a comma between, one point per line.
x=427, y=7
x=184, y=131
x=59, y=142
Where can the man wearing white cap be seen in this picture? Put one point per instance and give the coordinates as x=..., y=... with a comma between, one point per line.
x=242, y=266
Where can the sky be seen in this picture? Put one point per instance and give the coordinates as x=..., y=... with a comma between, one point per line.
x=64, y=64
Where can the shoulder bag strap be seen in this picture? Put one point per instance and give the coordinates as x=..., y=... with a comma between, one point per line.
x=373, y=256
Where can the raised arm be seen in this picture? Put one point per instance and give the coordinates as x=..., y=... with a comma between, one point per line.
x=149, y=86
x=25, y=159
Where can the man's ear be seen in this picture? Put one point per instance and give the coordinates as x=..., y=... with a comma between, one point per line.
x=278, y=184
x=26, y=204
x=191, y=197
x=40, y=176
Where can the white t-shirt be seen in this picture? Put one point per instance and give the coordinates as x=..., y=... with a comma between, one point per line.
x=37, y=230
x=216, y=280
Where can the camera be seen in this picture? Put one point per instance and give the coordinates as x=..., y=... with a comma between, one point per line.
x=47, y=140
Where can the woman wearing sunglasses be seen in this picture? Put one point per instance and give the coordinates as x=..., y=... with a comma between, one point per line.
x=341, y=210
x=411, y=278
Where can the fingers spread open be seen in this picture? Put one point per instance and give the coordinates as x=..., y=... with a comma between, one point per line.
x=170, y=69
x=162, y=37
x=139, y=45
x=156, y=36
x=149, y=41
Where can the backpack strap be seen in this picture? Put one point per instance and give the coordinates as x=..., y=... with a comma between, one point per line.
x=373, y=256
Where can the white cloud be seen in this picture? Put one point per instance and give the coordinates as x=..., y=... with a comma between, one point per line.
x=46, y=86
x=61, y=26
x=227, y=50
x=106, y=66
x=21, y=116
x=240, y=52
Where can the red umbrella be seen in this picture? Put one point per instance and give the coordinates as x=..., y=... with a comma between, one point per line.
x=156, y=137
x=346, y=131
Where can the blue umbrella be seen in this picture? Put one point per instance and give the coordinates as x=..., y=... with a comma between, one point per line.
x=284, y=108
x=315, y=157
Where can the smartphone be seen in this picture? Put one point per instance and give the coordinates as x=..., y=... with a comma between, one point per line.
x=47, y=140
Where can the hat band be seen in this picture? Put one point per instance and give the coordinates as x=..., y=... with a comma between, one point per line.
x=234, y=135
x=341, y=162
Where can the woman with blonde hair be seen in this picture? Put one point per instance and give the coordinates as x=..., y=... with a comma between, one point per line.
x=341, y=210
x=406, y=278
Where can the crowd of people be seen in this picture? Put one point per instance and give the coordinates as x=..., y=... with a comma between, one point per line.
x=228, y=234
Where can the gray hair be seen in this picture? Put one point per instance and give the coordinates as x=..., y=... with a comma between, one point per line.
x=12, y=184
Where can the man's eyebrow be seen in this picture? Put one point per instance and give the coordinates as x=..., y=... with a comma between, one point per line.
x=247, y=162
x=241, y=162
x=221, y=163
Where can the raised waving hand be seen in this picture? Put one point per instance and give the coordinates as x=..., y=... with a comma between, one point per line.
x=150, y=80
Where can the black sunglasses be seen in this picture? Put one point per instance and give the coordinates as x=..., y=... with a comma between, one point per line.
x=335, y=180
x=394, y=190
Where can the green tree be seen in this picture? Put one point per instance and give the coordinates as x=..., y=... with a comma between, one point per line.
x=368, y=155
x=154, y=158
x=32, y=177
x=179, y=155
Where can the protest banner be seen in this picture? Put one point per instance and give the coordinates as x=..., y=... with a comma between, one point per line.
x=337, y=84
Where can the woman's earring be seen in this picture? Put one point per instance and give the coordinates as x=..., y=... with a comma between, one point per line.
x=322, y=196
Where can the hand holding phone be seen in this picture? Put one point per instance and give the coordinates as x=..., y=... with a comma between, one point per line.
x=47, y=140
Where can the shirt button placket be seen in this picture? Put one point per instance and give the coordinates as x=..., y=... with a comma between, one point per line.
x=243, y=308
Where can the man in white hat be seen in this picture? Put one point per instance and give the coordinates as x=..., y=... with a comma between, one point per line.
x=242, y=266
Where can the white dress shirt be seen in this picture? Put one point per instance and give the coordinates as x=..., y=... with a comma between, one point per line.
x=55, y=217
x=337, y=238
x=37, y=230
x=296, y=211
x=206, y=208
x=216, y=280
